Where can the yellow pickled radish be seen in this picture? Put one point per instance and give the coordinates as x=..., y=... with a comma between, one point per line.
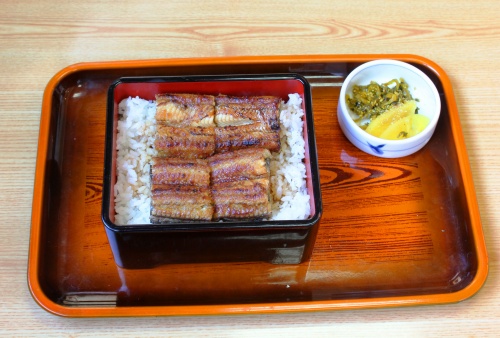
x=406, y=127
x=398, y=130
x=389, y=117
x=418, y=123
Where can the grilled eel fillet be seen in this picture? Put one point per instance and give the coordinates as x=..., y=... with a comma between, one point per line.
x=232, y=185
x=243, y=110
x=180, y=190
x=187, y=142
x=185, y=110
x=186, y=124
x=198, y=142
x=244, y=199
x=240, y=184
x=245, y=164
x=247, y=136
x=178, y=171
x=244, y=122
x=181, y=203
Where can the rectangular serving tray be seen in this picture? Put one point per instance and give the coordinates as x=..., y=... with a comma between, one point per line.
x=394, y=232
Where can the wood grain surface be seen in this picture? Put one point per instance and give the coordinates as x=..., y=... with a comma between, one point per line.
x=39, y=38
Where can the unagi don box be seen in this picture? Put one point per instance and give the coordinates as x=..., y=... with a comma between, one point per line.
x=210, y=169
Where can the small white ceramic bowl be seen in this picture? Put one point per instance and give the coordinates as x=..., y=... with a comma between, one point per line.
x=421, y=88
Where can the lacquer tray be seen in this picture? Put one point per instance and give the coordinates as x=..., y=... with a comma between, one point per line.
x=394, y=232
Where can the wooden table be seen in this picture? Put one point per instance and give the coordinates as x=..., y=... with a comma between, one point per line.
x=38, y=39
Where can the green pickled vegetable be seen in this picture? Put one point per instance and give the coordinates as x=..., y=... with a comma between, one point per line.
x=369, y=101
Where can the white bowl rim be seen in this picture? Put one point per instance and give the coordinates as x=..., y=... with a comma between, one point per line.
x=373, y=139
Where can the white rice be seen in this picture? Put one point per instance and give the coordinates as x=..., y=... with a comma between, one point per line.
x=135, y=137
x=134, y=143
x=288, y=171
